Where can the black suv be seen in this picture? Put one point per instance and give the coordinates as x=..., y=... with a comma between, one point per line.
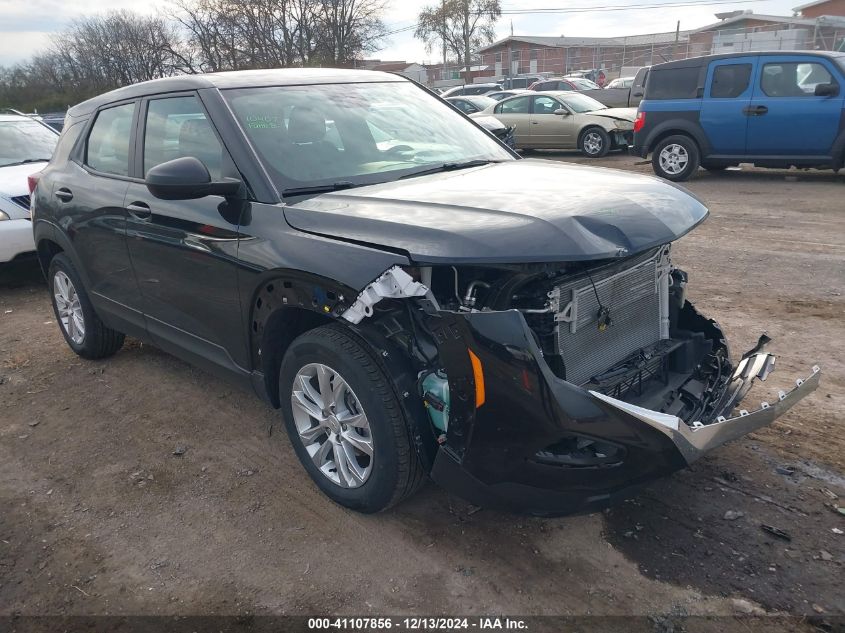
x=358, y=253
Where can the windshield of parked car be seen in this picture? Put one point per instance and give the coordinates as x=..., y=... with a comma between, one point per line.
x=356, y=133
x=581, y=103
x=25, y=141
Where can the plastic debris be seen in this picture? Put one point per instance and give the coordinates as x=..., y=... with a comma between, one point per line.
x=775, y=532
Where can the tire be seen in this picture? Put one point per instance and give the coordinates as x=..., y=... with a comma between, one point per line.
x=676, y=158
x=594, y=142
x=360, y=482
x=83, y=330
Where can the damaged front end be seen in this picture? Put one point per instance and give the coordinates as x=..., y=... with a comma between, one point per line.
x=560, y=388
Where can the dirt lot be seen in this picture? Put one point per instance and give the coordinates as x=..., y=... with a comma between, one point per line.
x=97, y=516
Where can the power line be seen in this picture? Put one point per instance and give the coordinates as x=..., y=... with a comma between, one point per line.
x=624, y=7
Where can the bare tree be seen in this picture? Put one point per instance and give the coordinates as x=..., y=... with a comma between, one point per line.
x=349, y=28
x=461, y=26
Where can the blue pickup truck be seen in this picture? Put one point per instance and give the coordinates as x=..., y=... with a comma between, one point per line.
x=772, y=109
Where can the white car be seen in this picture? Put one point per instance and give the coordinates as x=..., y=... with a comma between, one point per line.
x=25, y=147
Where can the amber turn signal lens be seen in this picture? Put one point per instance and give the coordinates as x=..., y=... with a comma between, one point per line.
x=478, y=375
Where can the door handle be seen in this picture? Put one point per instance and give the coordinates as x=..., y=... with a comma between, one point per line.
x=64, y=194
x=139, y=210
x=755, y=110
x=535, y=123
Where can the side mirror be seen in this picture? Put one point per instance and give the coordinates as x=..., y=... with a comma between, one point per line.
x=561, y=112
x=187, y=178
x=826, y=90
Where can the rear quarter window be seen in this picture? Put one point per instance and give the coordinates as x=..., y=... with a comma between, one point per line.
x=675, y=83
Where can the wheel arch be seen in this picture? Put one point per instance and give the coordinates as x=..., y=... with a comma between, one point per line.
x=49, y=241
x=677, y=128
x=284, y=305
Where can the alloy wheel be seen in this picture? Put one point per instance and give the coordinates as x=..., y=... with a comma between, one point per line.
x=332, y=425
x=674, y=159
x=68, y=307
x=593, y=143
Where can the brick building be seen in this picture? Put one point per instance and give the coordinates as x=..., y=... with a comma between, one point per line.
x=821, y=8
x=560, y=55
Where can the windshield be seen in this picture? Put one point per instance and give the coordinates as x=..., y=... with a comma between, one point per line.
x=24, y=141
x=357, y=133
x=581, y=103
x=585, y=84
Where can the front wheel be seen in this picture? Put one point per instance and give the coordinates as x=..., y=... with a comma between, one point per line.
x=675, y=158
x=83, y=330
x=345, y=420
x=595, y=142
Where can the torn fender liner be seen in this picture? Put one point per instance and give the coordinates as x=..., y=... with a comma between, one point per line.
x=491, y=453
x=394, y=283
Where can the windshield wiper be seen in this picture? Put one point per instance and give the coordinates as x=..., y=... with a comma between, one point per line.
x=315, y=189
x=451, y=167
x=25, y=161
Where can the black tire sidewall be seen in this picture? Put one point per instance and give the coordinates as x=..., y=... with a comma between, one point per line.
x=605, y=140
x=692, y=164
x=378, y=491
x=62, y=263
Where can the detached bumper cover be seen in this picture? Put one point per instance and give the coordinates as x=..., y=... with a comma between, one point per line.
x=489, y=456
x=695, y=440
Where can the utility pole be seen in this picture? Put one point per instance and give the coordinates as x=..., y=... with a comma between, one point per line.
x=443, y=11
x=677, y=37
x=467, y=52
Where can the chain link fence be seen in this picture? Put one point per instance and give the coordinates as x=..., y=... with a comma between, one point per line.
x=622, y=56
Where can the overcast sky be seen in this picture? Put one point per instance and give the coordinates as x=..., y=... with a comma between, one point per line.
x=26, y=25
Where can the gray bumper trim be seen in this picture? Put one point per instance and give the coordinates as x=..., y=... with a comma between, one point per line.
x=696, y=439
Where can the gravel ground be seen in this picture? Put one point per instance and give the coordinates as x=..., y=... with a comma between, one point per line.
x=98, y=516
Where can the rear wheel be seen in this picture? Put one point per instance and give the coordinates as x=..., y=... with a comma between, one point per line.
x=346, y=422
x=82, y=328
x=675, y=158
x=594, y=143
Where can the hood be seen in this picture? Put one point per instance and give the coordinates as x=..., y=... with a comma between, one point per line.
x=487, y=122
x=13, y=179
x=625, y=114
x=517, y=211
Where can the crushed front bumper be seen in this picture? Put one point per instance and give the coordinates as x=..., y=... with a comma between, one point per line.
x=489, y=456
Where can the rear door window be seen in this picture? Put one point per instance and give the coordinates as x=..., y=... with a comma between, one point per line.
x=107, y=150
x=675, y=83
x=730, y=80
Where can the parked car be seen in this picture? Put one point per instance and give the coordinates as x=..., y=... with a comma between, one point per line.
x=504, y=133
x=25, y=147
x=772, y=109
x=620, y=97
x=471, y=89
x=409, y=309
x=620, y=83
x=498, y=96
x=564, y=83
x=471, y=104
x=565, y=120
x=520, y=83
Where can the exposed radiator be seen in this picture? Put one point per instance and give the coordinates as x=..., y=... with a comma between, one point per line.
x=635, y=294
